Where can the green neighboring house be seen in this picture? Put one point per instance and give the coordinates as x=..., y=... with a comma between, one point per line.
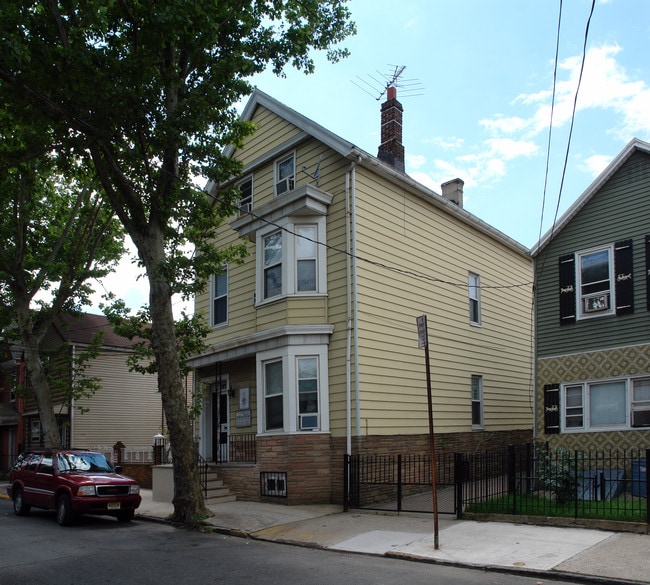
x=592, y=272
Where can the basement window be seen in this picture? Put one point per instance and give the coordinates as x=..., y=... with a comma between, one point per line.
x=273, y=483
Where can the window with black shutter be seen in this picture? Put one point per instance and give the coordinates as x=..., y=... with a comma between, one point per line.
x=551, y=409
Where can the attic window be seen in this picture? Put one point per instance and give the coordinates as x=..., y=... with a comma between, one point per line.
x=285, y=174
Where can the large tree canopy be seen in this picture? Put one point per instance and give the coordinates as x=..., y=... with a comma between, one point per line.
x=146, y=90
x=57, y=236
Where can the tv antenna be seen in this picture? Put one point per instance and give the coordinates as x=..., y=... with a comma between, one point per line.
x=316, y=174
x=380, y=82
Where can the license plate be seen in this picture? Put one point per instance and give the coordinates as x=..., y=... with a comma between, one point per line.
x=113, y=505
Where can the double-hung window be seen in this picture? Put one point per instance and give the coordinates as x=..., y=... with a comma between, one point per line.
x=595, y=277
x=474, y=292
x=640, y=403
x=220, y=299
x=272, y=260
x=273, y=396
x=245, y=203
x=285, y=174
x=307, y=373
x=477, y=402
x=306, y=258
x=292, y=261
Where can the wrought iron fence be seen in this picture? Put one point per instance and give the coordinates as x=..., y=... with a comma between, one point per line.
x=529, y=479
x=537, y=480
x=400, y=482
x=241, y=448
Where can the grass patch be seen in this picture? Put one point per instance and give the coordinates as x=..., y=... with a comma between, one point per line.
x=624, y=508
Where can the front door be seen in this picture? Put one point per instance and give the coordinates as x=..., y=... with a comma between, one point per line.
x=220, y=424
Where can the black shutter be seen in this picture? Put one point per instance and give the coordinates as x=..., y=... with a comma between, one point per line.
x=567, y=289
x=552, y=409
x=647, y=272
x=623, y=270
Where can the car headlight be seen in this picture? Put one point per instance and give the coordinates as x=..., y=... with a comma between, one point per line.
x=134, y=490
x=86, y=490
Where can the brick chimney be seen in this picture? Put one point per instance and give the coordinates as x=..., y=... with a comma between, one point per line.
x=391, y=150
x=453, y=191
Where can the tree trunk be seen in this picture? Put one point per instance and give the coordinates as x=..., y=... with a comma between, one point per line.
x=38, y=378
x=189, y=506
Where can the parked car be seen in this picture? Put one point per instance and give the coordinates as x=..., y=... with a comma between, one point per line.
x=71, y=482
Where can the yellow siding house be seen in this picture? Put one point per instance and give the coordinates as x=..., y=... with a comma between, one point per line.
x=314, y=346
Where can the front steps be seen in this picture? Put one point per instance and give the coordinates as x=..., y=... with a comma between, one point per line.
x=216, y=491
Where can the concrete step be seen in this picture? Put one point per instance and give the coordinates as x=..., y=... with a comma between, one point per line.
x=216, y=491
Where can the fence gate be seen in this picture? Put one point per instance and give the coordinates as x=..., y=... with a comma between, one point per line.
x=400, y=483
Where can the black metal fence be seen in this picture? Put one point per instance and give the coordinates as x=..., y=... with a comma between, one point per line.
x=400, y=482
x=529, y=479
x=241, y=448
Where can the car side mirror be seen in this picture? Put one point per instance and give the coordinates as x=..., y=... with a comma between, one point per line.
x=118, y=469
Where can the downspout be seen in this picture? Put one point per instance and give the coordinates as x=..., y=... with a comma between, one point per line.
x=352, y=310
x=348, y=345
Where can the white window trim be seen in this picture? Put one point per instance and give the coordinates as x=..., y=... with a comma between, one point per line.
x=289, y=259
x=580, y=313
x=470, y=298
x=586, y=423
x=289, y=355
x=276, y=174
x=213, y=292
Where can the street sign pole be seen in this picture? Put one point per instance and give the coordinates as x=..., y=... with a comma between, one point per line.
x=423, y=343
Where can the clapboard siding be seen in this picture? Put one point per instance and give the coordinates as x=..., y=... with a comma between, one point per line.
x=424, y=240
x=619, y=210
x=127, y=407
x=400, y=229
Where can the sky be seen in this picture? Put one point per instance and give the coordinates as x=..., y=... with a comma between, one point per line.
x=477, y=89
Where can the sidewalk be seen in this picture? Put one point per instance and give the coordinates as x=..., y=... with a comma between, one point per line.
x=602, y=556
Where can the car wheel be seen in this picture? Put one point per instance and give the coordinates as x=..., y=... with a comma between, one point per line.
x=64, y=514
x=125, y=516
x=20, y=507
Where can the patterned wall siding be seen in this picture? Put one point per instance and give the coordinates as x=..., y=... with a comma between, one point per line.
x=624, y=361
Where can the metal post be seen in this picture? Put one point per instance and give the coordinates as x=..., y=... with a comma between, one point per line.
x=423, y=335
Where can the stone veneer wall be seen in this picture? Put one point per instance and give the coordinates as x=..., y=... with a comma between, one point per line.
x=624, y=361
x=314, y=462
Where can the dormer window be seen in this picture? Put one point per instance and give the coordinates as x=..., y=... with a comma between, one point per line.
x=285, y=174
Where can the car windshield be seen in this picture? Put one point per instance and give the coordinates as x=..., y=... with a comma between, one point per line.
x=90, y=462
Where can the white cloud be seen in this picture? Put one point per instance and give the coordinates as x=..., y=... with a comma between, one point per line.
x=509, y=149
x=450, y=143
x=415, y=161
x=505, y=124
x=594, y=165
x=605, y=85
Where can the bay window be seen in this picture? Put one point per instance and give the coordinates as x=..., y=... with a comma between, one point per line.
x=291, y=260
x=294, y=389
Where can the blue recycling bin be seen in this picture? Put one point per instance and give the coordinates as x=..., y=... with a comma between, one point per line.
x=639, y=478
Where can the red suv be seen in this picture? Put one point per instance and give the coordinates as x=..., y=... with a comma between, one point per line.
x=71, y=482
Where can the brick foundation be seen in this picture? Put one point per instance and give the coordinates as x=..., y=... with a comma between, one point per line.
x=314, y=462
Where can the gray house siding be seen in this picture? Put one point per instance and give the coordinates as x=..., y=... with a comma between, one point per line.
x=620, y=210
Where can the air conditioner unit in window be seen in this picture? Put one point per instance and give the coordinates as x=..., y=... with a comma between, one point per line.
x=308, y=422
x=284, y=185
x=596, y=303
x=641, y=418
